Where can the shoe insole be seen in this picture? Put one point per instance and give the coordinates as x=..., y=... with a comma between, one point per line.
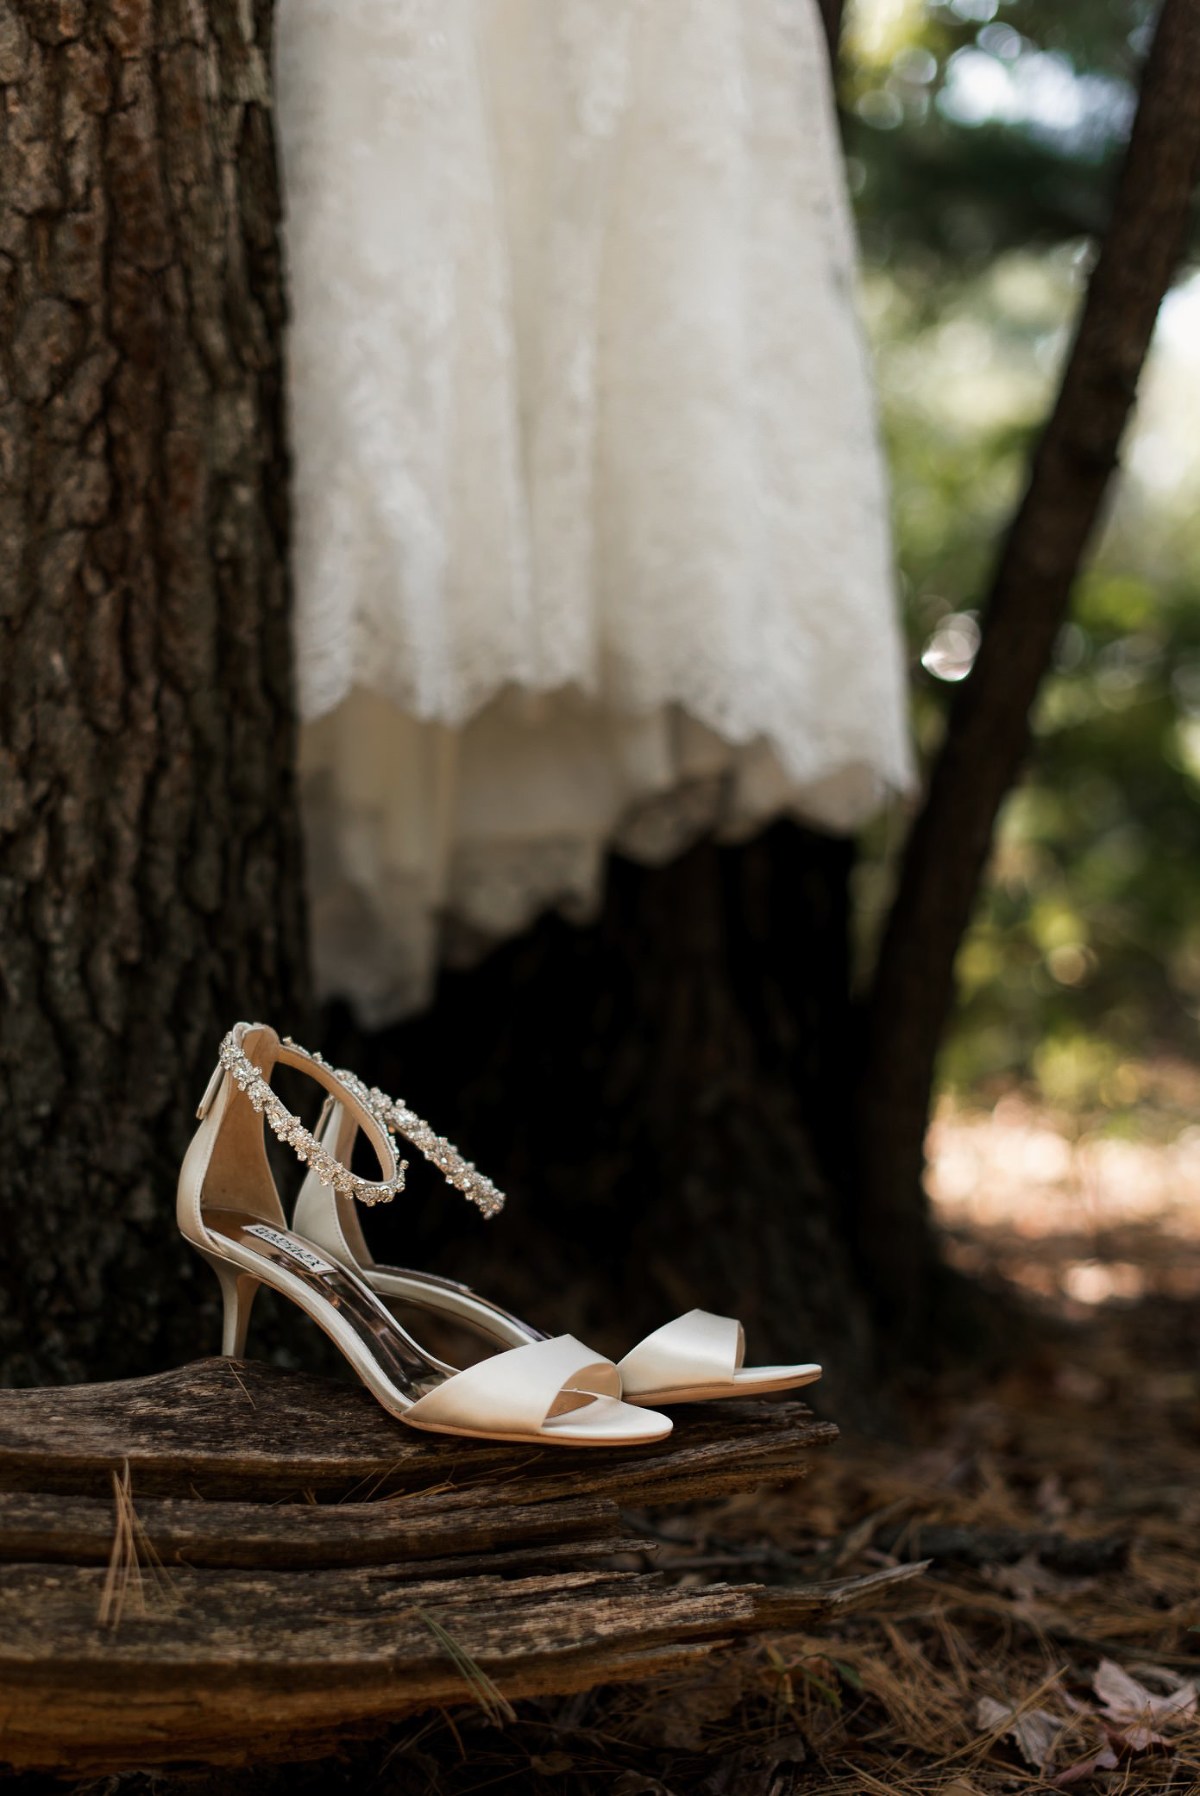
x=404, y=1363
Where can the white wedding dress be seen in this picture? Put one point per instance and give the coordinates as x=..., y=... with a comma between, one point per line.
x=591, y=523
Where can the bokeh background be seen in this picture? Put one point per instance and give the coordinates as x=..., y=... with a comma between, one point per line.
x=983, y=139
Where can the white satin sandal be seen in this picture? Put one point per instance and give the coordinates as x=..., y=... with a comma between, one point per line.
x=696, y=1358
x=554, y=1392
x=700, y=1357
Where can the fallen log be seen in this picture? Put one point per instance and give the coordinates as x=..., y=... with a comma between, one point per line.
x=231, y=1563
x=224, y=1428
x=229, y=1667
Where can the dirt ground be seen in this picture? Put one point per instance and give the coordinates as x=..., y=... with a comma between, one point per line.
x=1054, y=1641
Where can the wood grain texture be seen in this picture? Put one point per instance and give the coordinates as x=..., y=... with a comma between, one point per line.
x=250, y=1666
x=241, y=1429
x=232, y=1667
x=303, y=1567
x=438, y=1524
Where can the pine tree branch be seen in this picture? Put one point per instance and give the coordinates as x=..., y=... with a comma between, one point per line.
x=988, y=728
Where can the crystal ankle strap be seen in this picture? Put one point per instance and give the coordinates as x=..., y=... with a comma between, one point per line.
x=464, y=1175
x=290, y=1130
x=396, y=1117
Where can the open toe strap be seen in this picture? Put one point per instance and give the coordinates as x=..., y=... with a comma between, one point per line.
x=693, y=1351
x=515, y=1392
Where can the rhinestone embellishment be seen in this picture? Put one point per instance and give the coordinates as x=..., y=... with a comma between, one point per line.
x=290, y=1130
x=464, y=1175
x=395, y=1116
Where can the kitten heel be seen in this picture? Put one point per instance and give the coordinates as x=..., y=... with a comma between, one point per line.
x=238, y=1291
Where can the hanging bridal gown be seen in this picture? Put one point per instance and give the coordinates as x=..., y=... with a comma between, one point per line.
x=590, y=516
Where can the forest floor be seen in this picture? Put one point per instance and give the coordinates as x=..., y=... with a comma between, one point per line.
x=1055, y=1640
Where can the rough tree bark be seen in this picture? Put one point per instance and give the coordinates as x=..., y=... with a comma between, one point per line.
x=150, y=880
x=988, y=727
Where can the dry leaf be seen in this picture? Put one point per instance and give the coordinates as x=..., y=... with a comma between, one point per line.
x=1124, y=1701
x=1104, y=1760
x=1034, y=1730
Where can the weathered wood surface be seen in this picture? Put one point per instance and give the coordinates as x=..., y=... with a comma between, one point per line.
x=229, y=1666
x=302, y=1567
x=230, y=1428
x=301, y=1536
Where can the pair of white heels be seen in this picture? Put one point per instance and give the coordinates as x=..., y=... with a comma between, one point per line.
x=554, y=1391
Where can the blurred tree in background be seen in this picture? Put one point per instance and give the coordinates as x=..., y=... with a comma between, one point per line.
x=982, y=138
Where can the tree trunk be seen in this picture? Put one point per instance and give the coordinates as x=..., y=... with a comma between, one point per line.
x=150, y=876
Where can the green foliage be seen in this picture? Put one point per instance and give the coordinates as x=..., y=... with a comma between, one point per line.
x=1087, y=948
x=975, y=126
x=977, y=227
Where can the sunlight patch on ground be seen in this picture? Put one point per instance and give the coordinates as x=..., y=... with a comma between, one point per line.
x=1062, y=1206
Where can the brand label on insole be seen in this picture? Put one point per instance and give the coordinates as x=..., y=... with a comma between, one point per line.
x=295, y=1249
